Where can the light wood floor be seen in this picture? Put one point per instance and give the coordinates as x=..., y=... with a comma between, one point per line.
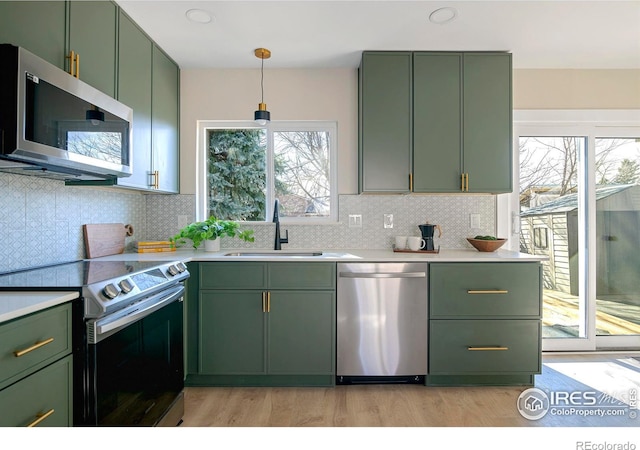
x=611, y=376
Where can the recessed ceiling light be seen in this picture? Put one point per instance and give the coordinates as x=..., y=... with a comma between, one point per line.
x=198, y=16
x=443, y=15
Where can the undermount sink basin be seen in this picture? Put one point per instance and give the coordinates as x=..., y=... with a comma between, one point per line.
x=275, y=254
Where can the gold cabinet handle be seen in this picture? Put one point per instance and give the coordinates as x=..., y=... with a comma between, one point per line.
x=77, y=65
x=462, y=182
x=494, y=348
x=466, y=181
x=489, y=291
x=410, y=182
x=40, y=418
x=72, y=63
x=268, y=301
x=264, y=302
x=156, y=179
x=37, y=345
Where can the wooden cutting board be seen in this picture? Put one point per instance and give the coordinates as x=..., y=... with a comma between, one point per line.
x=103, y=239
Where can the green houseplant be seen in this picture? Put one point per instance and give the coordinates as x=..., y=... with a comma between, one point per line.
x=210, y=230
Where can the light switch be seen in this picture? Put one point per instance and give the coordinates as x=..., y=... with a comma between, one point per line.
x=474, y=220
x=355, y=220
x=388, y=220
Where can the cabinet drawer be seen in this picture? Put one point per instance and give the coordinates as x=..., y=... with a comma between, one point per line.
x=485, y=289
x=233, y=275
x=45, y=395
x=39, y=339
x=484, y=346
x=302, y=275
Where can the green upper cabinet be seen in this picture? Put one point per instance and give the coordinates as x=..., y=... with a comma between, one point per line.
x=385, y=121
x=457, y=116
x=92, y=37
x=135, y=52
x=165, y=122
x=487, y=122
x=437, y=111
x=37, y=26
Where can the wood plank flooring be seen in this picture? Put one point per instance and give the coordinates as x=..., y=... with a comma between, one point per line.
x=610, y=376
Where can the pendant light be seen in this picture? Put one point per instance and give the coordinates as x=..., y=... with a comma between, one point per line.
x=262, y=116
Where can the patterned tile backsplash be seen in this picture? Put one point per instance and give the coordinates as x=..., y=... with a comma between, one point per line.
x=42, y=220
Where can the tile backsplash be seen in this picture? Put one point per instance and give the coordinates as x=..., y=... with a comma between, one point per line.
x=42, y=220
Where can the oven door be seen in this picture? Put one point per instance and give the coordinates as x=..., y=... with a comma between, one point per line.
x=134, y=372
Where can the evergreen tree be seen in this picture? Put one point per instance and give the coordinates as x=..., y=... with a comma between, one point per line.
x=237, y=180
x=627, y=172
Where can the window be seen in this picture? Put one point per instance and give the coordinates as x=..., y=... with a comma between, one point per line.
x=578, y=203
x=540, y=238
x=247, y=168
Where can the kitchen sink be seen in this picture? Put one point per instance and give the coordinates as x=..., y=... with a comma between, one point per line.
x=275, y=254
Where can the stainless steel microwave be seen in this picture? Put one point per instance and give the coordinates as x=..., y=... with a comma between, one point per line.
x=55, y=125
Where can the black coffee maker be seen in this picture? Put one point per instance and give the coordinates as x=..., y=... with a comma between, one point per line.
x=428, y=230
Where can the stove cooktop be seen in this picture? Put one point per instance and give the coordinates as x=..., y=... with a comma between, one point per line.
x=105, y=285
x=72, y=275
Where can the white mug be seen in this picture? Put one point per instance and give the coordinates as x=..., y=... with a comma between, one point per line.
x=415, y=242
x=401, y=242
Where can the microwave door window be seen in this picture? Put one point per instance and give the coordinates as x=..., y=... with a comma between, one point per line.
x=61, y=120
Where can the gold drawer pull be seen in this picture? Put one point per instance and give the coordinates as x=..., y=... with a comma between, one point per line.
x=268, y=301
x=264, y=302
x=40, y=418
x=488, y=291
x=35, y=346
x=472, y=349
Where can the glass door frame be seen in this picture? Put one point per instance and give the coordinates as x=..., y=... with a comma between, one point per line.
x=590, y=124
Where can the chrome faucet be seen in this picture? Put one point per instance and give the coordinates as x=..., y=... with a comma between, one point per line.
x=276, y=220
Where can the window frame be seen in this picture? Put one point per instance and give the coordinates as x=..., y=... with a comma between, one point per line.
x=275, y=126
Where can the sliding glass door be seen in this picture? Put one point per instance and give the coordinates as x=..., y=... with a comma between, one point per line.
x=577, y=204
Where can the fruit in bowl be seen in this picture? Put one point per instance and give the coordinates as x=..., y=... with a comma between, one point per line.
x=486, y=243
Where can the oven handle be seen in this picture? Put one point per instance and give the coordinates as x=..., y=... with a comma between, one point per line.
x=118, y=324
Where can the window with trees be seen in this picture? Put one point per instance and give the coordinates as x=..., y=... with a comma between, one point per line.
x=248, y=168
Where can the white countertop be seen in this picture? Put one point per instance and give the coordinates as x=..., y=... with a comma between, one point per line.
x=376, y=255
x=16, y=304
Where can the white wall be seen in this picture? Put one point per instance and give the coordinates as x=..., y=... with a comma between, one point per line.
x=304, y=94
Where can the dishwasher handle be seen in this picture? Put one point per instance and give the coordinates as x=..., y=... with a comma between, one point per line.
x=383, y=274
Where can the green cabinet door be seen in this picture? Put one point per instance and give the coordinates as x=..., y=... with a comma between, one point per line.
x=232, y=330
x=301, y=332
x=488, y=122
x=92, y=36
x=43, y=399
x=437, y=122
x=39, y=27
x=164, y=122
x=385, y=124
x=134, y=90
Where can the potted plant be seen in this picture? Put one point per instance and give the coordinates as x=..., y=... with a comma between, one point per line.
x=209, y=231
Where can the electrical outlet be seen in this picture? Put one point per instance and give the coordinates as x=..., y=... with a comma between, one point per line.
x=388, y=221
x=183, y=221
x=355, y=220
x=474, y=220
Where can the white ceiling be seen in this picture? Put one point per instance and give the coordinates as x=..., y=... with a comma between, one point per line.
x=313, y=34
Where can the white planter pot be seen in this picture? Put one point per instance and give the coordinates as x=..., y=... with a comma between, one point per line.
x=212, y=245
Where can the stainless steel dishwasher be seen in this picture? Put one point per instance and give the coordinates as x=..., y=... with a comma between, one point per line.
x=382, y=322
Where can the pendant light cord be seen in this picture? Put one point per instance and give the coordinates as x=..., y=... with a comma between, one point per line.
x=262, y=78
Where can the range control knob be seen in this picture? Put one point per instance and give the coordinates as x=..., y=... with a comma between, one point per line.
x=181, y=267
x=173, y=270
x=111, y=291
x=126, y=285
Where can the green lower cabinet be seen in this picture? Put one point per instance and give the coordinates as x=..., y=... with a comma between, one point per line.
x=300, y=333
x=232, y=329
x=42, y=399
x=261, y=324
x=484, y=346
